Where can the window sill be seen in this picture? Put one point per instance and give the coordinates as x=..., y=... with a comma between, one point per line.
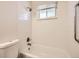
x=48, y=18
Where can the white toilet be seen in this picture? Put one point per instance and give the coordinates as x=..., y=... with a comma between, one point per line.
x=9, y=49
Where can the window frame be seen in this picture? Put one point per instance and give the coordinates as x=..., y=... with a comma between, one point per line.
x=50, y=17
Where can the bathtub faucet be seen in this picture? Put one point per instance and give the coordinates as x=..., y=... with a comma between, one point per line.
x=28, y=39
x=29, y=44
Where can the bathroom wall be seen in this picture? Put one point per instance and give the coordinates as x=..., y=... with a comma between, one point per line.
x=8, y=19
x=24, y=24
x=13, y=22
x=73, y=47
x=58, y=32
x=24, y=20
x=50, y=32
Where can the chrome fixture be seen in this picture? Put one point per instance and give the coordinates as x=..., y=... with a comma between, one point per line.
x=28, y=43
x=28, y=9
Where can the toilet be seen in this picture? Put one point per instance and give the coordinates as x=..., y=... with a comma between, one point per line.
x=9, y=49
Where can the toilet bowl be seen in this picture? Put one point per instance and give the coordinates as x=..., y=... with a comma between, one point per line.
x=9, y=49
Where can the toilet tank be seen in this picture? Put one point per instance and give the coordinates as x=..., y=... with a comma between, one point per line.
x=9, y=49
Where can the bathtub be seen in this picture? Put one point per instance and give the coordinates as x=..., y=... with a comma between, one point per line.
x=40, y=51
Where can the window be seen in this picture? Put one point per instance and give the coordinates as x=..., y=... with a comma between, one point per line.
x=51, y=12
x=47, y=11
x=43, y=13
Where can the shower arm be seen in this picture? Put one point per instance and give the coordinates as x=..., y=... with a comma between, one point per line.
x=29, y=9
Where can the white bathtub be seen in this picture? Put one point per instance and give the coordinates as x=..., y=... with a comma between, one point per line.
x=39, y=51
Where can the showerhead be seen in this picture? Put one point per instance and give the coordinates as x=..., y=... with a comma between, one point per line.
x=29, y=9
x=77, y=4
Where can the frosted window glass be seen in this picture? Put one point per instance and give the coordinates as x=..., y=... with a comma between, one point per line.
x=42, y=13
x=51, y=12
x=47, y=11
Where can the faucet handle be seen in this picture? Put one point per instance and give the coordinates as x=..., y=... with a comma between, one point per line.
x=29, y=44
x=28, y=39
